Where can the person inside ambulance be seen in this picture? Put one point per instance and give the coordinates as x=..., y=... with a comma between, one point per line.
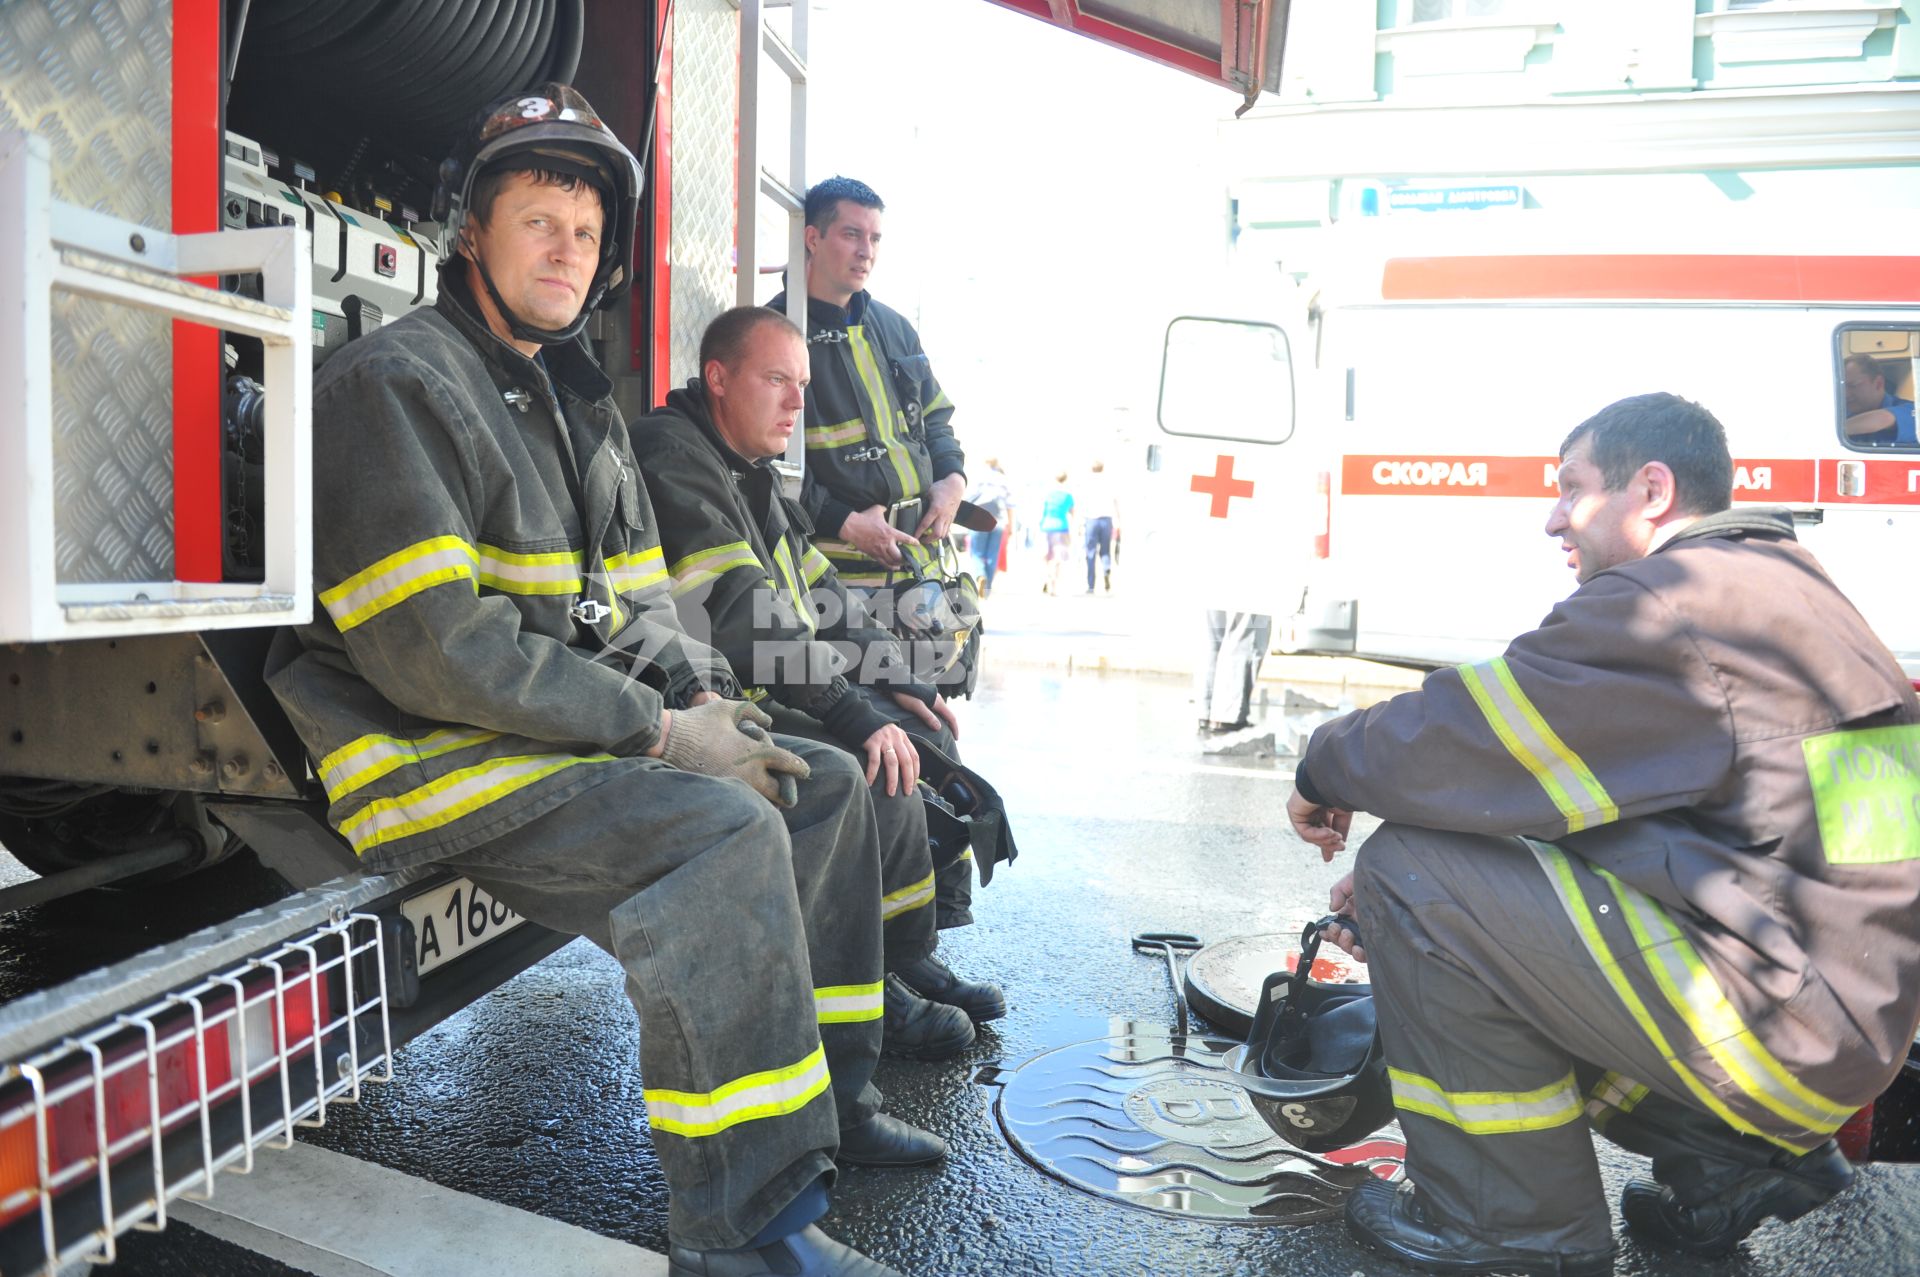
x=1653, y=872
x=496, y=682
x=747, y=579
x=1875, y=415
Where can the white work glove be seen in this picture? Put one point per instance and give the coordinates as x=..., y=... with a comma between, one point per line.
x=729, y=739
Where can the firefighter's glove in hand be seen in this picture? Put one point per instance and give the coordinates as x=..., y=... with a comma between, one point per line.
x=729, y=738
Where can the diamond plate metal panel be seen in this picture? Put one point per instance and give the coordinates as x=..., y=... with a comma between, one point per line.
x=96, y=81
x=706, y=96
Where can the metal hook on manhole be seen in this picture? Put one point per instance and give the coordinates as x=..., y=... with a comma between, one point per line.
x=1170, y=944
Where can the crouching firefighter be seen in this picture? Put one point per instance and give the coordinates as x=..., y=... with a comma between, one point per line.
x=747, y=580
x=1653, y=871
x=496, y=682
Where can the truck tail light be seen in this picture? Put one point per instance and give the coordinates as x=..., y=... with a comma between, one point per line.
x=99, y=1132
x=1323, y=539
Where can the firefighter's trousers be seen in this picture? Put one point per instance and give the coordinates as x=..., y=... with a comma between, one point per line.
x=1526, y=1000
x=751, y=942
x=921, y=895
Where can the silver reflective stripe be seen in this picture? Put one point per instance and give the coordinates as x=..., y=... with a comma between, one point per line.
x=361, y=762
x=1488, y=1112
x=1697, y=997
x=773, y=1093
x=849, y=1003
x=399, y=576
x=447, y=799
x=907, y=898
x=557, y=573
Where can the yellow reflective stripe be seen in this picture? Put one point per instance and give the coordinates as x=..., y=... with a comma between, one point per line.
x=632, y=573
x=1488, y=1112
x=838, y=435
x=534, y=574
x=907, y=899
x=705, y=565
x=774, y=1093
x=398, y=577
x=359, y=763
x=1703, y=1006
x=1613, y=1092
x=885, y=425
x=815, y=565
x=849, y=1003
x=456, y=794
x=966, y=855
x=1569, y=783
x=1560, y=873
x=790, y=573
x=938, y=401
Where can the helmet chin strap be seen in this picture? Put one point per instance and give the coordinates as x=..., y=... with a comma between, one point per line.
x=519, y=327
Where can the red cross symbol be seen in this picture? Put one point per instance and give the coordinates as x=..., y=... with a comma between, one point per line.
x=1222, y=486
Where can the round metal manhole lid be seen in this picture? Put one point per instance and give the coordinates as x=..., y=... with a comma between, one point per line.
x=1223, y=980
x=1159, y=1122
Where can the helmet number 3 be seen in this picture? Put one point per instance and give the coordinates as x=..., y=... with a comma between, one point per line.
x=1298, y=1115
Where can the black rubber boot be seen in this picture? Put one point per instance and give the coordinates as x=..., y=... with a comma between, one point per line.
x=1393, y=1221
x=934, y=980
x=807, y=1253
x=1706, y=1207
x=886, y=1141
x=917, y=1029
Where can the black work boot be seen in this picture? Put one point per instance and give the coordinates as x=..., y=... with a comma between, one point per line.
x=1392, y=1220
x=1706, y=1208
x=917, y=1029
x=807, y=1253
x=934, y=980
x=884, y=1140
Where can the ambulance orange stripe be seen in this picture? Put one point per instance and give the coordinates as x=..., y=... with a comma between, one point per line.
x=1764, y=479
x=1652, y=276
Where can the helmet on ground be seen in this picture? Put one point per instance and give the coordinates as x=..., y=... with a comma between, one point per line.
x=548, y=127
x=1313, y=1065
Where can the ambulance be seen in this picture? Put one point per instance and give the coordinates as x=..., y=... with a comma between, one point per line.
x=1382, y=481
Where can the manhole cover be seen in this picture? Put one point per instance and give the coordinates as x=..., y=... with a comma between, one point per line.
x=1158, y=1122
x=1223, y=980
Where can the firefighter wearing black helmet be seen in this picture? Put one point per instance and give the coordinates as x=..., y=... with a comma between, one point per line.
x=1653, y=871
x=496, y=681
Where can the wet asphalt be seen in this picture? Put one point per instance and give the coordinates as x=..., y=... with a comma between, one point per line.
x=532, y=1096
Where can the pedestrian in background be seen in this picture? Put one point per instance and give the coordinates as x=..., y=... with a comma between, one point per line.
x=1223, y=684
x=1056, y=521
x=992, y=493
x=1099, y=511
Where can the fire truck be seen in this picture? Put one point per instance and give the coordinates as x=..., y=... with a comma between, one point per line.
x=199, y=202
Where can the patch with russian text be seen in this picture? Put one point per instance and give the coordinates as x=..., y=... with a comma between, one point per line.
x=1866, y=789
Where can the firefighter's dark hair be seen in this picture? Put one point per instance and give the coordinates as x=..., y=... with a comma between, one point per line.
x=1677, y=432
x=486, y=188
x=726, y=337
x=823, y=200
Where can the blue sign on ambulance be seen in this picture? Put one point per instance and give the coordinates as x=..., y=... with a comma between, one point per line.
x=1428, y=198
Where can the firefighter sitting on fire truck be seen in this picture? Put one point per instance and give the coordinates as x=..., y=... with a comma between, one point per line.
x=497, y=682
x=747, y=580
x=1655, y=869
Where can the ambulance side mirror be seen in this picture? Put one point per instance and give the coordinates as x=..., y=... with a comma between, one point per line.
x=1226, y=379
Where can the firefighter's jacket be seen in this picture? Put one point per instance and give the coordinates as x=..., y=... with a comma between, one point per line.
x=878, y=426
x=748, y=581
x=1716, y=726
x=494, y=631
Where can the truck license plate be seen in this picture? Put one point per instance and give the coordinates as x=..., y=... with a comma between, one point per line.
x=454, y=919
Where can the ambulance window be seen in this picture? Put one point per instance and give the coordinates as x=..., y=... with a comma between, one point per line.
x=1226, y=379
x=1874, y=384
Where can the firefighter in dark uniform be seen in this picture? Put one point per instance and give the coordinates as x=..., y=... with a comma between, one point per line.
x=496, y=682
x=885, y=474
x=747, y=580
x=1654, y=872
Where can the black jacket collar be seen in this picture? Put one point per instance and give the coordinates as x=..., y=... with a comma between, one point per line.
x=691, y=402
x=569, y=363
x=1739, y=521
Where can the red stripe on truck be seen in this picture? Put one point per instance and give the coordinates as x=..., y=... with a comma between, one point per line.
x=1384, y=475
x=1652, y=276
